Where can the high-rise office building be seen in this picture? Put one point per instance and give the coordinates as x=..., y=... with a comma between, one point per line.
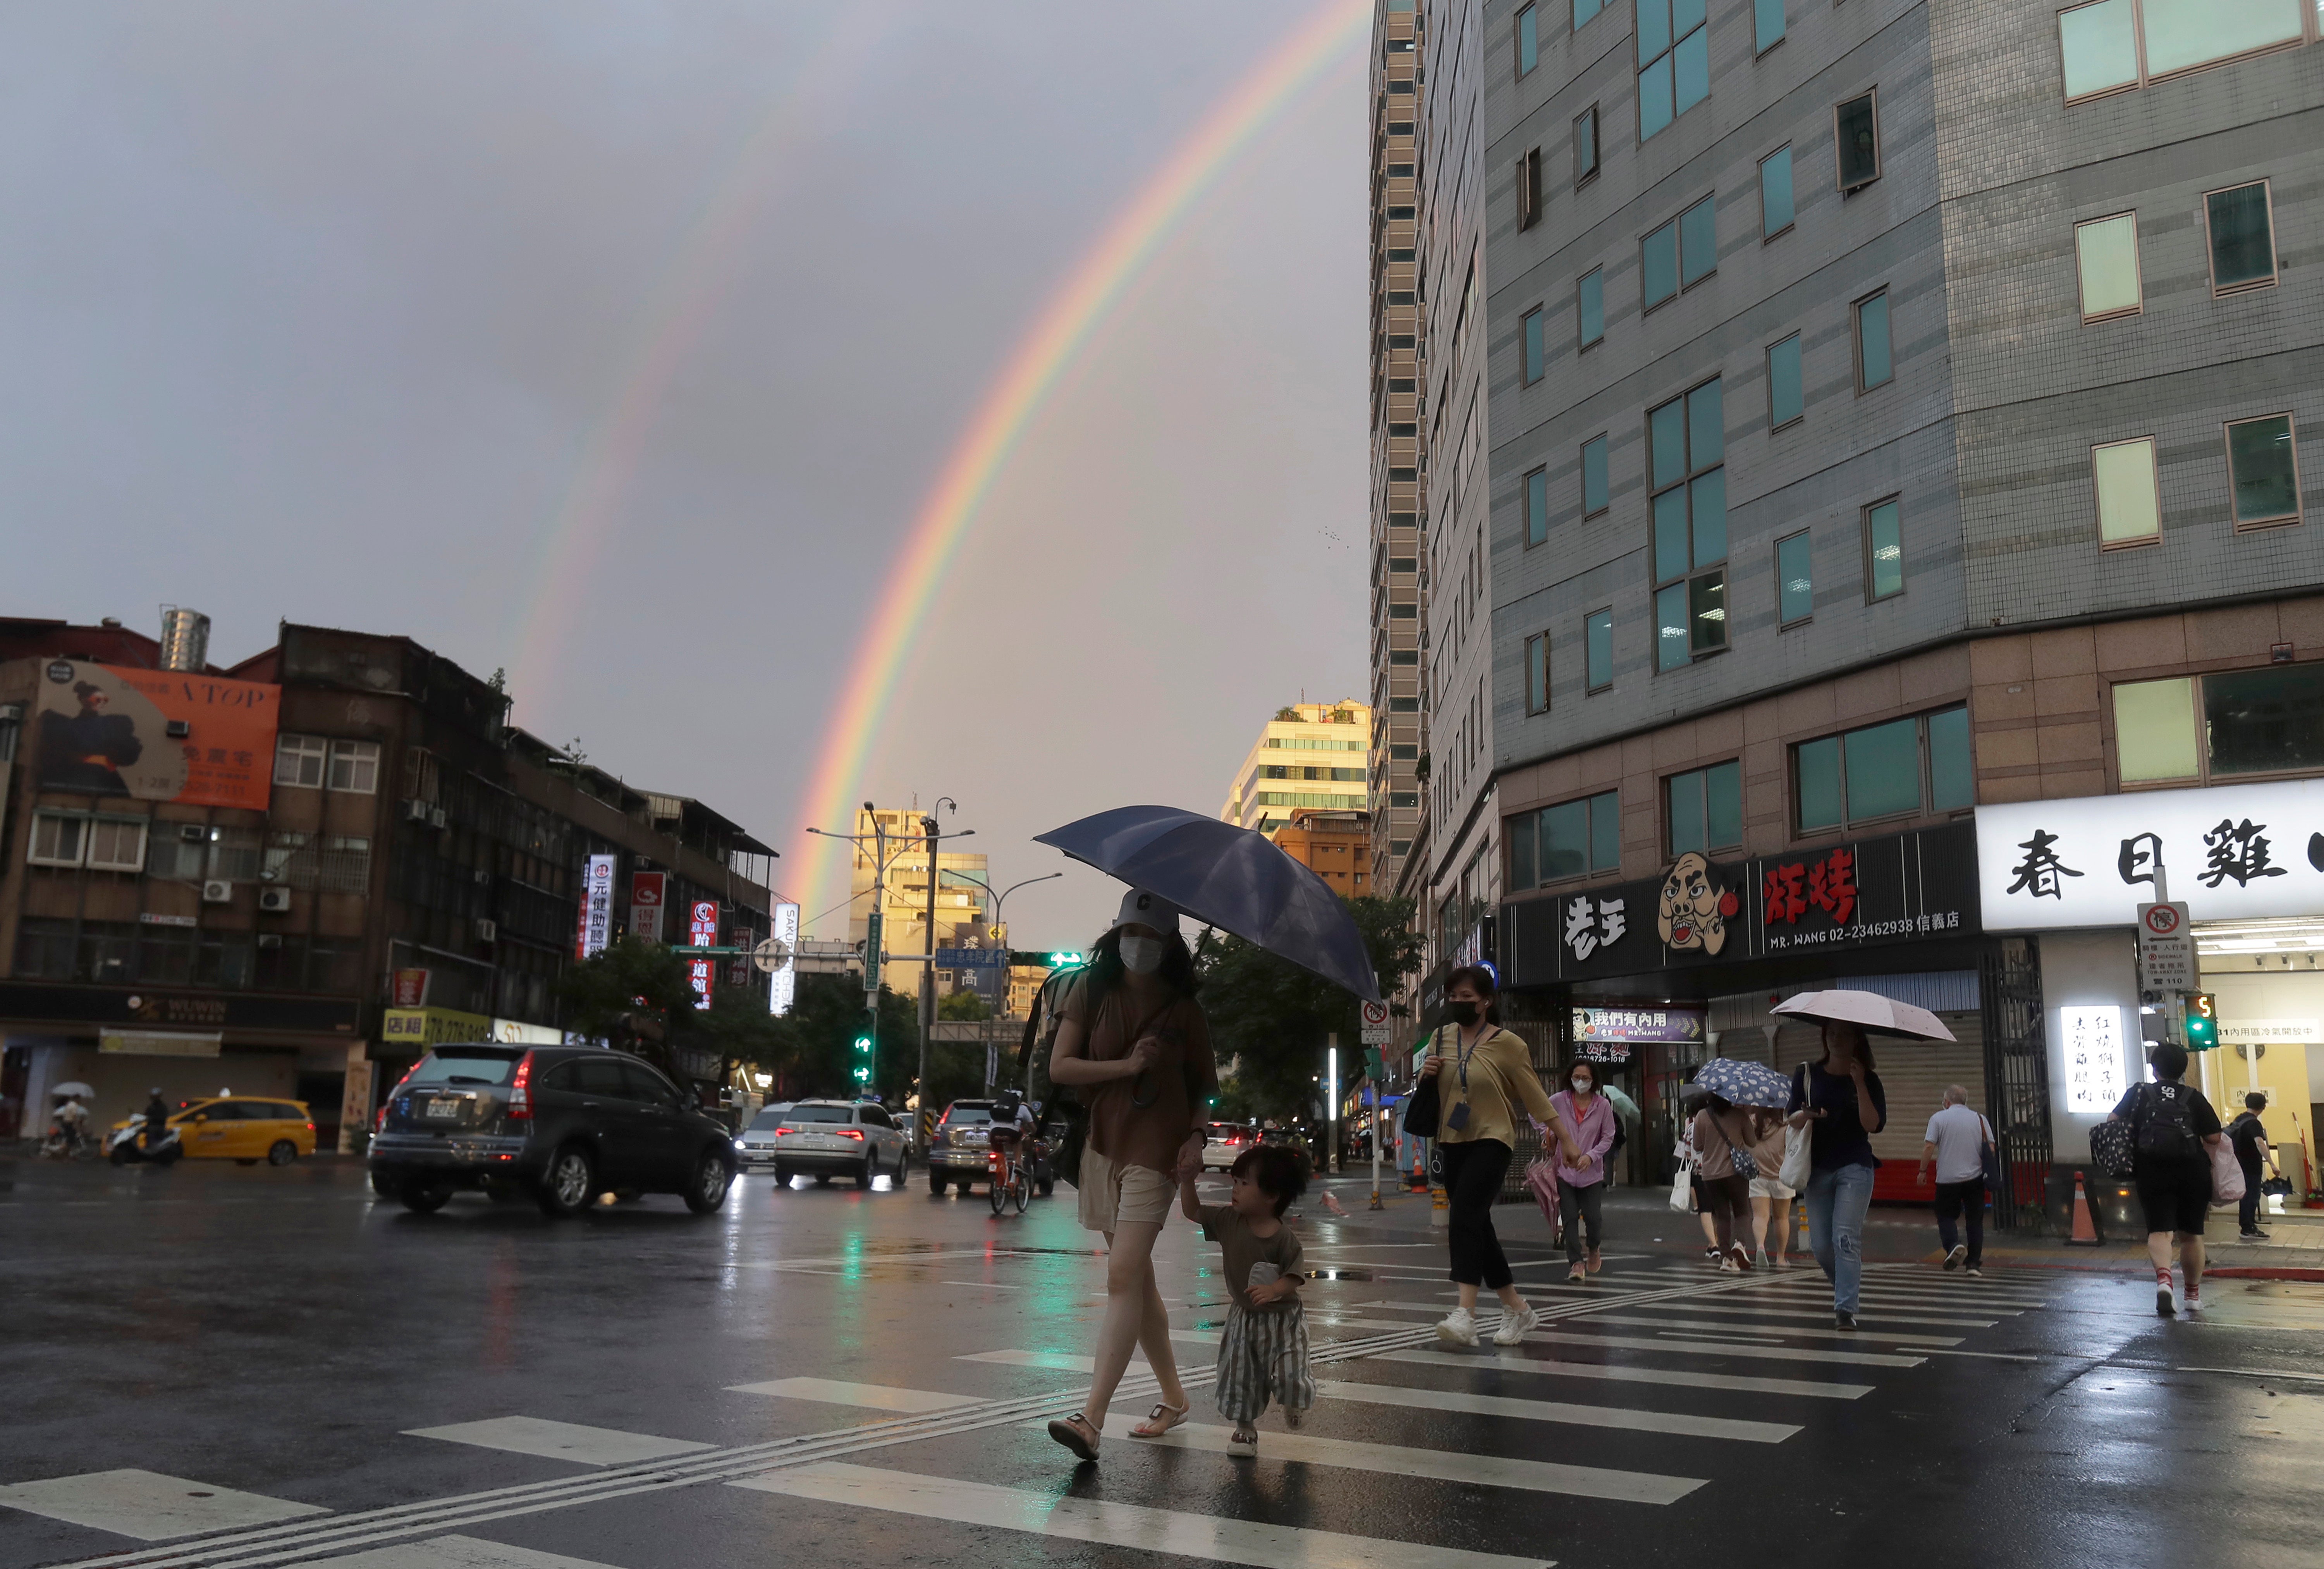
x=1309, y=755
x=1900, y=567
x=962, y=895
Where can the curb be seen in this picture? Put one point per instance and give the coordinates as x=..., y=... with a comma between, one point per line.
x=2263, y=1272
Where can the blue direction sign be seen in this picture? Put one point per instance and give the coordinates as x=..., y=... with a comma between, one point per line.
x=972, y=958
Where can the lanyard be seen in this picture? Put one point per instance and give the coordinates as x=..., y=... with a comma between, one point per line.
x=1461, y=1055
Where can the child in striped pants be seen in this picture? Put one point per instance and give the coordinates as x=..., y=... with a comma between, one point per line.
x=1263, y=1355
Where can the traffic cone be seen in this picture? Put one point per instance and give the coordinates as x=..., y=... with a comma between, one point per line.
x=2086, y=1233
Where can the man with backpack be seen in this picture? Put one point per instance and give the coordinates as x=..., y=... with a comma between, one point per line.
x=2173, y=1131
x=2252, y=1153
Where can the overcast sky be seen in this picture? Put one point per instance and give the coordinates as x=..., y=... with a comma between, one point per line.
x=658, y=320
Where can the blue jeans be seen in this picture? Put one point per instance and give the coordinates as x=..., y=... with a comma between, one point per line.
x=1836, y=1200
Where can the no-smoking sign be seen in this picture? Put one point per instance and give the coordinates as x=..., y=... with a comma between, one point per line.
x=1376, y=1031
x=2166, y=949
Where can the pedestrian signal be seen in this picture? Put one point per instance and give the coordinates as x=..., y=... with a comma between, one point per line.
x=2202, y=1019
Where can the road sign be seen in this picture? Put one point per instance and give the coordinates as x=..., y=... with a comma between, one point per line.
x=771, y=955
x=872, y=954
x=2166, y=949
x=971, y=958
x=1375, y=1024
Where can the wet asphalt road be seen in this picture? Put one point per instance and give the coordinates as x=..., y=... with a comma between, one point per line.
x=279, y=1353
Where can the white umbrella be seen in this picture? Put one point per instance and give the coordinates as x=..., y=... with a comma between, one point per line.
x=75, y=1088
x=1868, y=1011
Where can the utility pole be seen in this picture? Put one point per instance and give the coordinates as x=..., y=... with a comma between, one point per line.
x=928, y=967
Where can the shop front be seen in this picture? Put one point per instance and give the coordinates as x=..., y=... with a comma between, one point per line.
x=2247, y=863
x=1648, y=979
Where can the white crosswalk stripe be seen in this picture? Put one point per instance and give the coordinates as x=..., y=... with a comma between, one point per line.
x=1684, y=1377
x=869, y=1397
x=1683, y=1423
x=1116, y=1525
x=1802, y=1332
x=1433, y=1464
x=452, y=1553
x=1781, y=1354
x=561, y=1440
x=147, y=1505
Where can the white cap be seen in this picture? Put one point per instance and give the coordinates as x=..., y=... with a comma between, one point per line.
x=1139, y=907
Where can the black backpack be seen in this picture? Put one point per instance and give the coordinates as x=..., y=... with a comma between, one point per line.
x=2166, y=1126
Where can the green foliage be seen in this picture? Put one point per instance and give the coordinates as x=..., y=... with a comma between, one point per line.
x=606, y=992
x=1271, y=1018
x=819, y=1039
x=963, y=1005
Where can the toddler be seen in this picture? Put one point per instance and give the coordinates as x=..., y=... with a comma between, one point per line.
x=1264, y=1351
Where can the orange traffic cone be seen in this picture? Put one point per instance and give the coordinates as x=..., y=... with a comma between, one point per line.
x=2085, y=1232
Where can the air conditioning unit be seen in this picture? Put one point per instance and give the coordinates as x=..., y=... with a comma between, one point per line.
x=487, y=931
x=178, y=729
x=191, y=832
x=270, y=939
x=217, y=891
x=274, y=900
x=416, y=811
x=484, y=878
x=435, y=817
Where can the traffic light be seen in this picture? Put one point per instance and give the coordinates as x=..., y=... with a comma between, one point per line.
x=2202, y=1021
x=1067, y=961
x=866, y=1036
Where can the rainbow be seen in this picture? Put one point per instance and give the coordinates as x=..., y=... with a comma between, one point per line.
x=1094, y=287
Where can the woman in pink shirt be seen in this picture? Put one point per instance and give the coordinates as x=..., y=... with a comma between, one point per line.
x=1578, y=1185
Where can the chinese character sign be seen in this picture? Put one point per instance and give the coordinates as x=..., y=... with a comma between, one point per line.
x=648, y=890
x=784, y=988
x=596, y=906
x=2232, y=851
x=1591, y=923
x=698, y=972
x=703, y=929
x=2097, y=1059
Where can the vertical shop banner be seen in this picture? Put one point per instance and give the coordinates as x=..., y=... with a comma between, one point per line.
x=596, y=907
x=410, y=989
x=648, y=891
x=157, y=735
x=702, y=932
x=2097, y=1058
x=783, y=988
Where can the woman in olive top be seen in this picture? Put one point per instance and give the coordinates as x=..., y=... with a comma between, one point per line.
x=1136, y=1049
x=1839, y=1097
x=1479, y=1069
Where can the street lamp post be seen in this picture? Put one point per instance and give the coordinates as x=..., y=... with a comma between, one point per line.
x=992, y=921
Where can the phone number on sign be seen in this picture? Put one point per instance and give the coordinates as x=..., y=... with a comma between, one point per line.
x=1904, y=926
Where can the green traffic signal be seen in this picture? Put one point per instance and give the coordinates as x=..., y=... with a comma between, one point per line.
x=1067, y=961
x=2202, y=1021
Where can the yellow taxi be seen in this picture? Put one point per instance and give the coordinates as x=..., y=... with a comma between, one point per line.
x=245, y=1127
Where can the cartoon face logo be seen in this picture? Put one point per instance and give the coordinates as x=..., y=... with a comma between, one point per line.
x=1694, y=909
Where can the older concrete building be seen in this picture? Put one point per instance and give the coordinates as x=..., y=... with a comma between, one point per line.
x=1896, y=414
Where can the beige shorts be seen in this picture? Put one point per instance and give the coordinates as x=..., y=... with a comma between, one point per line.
x=1768, y=1187
x=1111, y=1193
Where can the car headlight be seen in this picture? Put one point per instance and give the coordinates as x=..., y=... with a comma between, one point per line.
x=738, y=1144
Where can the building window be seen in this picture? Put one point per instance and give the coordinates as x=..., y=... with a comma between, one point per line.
x=1537, y=665
x=2100, y=44
x=1575, y=839
x=1528, y=39
x=1682, y=252
x=1593, y=476
x=1583, y=10
x=1785, y=399
x=1884, y=551
x=2106, y=261
x=2267, y=720
x=1529, y=327
x=1906, y=767
x=1674, y=62
x=1598, y=650
x=354, y=767
x=57, y=839
x=1537, y=507
x=1775, y=209
x=2130, y=506
x=1585, y=146
x=2243, y=238
x=1875, y=365
x=1795, y=579
x=116, y=845
x=1686, y=440
x=300, y=759
x=1703, y=810
x=1767, y=25
x=2263, y=471
x=1856, y=133
x=1530, y=190
x=1589, y=301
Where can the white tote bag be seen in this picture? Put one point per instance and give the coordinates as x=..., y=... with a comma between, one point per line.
x=1683, y=1186
x=1798, y=1160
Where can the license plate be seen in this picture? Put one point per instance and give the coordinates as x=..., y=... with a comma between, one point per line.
x=444, y=1106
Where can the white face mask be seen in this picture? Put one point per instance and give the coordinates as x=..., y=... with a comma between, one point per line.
x=1581, y=1086
x=1140, y=956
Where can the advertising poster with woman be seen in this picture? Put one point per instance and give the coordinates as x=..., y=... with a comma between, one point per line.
x=156, y=735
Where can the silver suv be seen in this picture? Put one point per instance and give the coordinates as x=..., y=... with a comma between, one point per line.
x=829, y=1138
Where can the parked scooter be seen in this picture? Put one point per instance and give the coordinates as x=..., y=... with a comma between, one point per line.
x=125, y=1146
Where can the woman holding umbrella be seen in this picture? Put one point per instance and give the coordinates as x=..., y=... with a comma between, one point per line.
x=1487, y=1070
x=1134, y=1043
x=1839, y=1097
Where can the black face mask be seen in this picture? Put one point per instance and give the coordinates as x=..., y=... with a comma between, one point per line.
x=1462, y=1013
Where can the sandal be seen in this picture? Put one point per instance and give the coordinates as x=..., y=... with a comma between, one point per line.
x=1167, y=1415
x=1075, y=1433
x=1243, y=1441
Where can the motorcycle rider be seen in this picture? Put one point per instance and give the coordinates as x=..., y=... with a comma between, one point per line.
x=69, y=1124
x=157, y=1117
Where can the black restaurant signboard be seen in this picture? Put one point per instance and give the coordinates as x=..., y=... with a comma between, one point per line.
x=1898, y=889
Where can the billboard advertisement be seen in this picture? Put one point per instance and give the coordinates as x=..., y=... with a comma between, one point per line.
x=702, y=933
x=648, y=892
x=784, y=990
x=156, y=735
x=596, y=907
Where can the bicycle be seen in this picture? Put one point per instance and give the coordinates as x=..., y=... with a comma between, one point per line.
x=1010, y=1184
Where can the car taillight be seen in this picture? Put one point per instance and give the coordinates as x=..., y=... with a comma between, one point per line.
x=783, y=1132
x=851, y=1133
x=380, y=1126
x=520, y=1102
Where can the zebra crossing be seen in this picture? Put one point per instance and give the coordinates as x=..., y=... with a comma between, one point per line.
x=1640, y=1355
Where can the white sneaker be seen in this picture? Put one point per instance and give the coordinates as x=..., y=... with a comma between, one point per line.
x=1458, y=1327
x=1515, y=1326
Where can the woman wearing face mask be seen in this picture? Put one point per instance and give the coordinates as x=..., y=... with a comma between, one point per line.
x=1135, y=1047
x=1483, y=1073
x=1581, y=1183
x=1838, y=1099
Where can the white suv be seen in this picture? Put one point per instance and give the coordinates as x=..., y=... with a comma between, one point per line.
x=829, y=1138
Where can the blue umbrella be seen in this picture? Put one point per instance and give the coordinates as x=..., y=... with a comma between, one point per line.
x=1230, y=877
x=1744, y=1083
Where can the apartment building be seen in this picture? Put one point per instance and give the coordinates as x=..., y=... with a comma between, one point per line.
x=1310, y=756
